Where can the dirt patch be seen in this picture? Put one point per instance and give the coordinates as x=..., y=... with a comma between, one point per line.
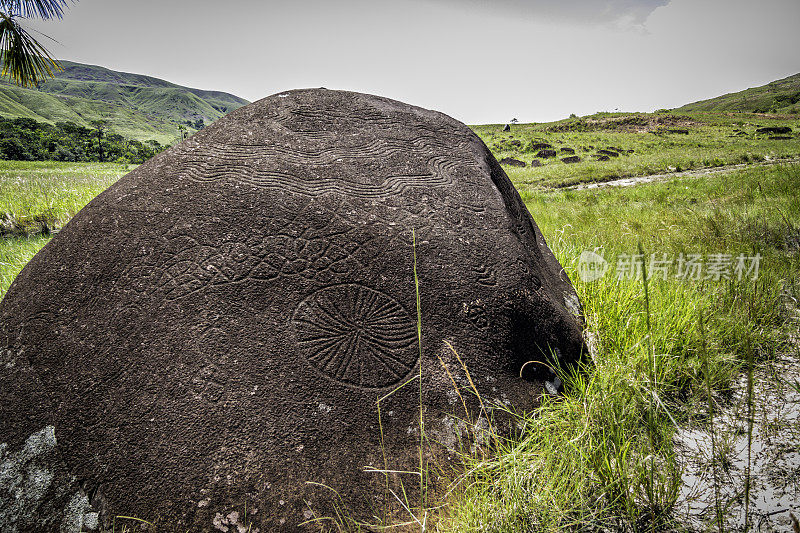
x=627, y=123
x=696, y=173
x=773, y=116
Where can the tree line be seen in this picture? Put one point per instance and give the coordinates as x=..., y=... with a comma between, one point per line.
x=25, y=139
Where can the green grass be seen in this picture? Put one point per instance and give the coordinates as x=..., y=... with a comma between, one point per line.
x=40, y=196
x=780, y=96
x=37, y=198
x=14, y=254
x=711, y=141
x=602, y=456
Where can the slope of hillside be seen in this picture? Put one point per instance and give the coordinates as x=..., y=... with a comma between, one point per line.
x=135, y=106
x=780, y=96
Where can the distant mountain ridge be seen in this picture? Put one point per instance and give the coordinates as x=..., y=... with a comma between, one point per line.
x=780, y=96
x=134, y=105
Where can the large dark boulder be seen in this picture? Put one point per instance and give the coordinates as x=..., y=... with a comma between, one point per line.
x=205, y=344
x=546, y=153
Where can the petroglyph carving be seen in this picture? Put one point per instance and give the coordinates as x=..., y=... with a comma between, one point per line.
x=209, y=380
x=475, y=312
x=228, y=163
x=356, y=335
x=185, y=265
x=315, y=163
x=486, y=275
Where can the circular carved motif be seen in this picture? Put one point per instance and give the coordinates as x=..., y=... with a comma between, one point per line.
x=356, y=335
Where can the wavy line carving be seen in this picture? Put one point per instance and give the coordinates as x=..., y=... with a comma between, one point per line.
x=306, y=168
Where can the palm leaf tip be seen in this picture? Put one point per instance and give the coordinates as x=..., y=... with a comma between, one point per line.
x=43, y=9
x=22, y=58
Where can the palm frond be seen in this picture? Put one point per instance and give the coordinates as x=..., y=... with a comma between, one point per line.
x=44, y=9
x=22, y=58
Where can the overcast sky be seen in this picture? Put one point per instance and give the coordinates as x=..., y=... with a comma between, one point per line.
x=479, y=61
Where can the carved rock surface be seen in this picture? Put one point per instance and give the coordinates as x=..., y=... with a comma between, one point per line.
x=212, y=333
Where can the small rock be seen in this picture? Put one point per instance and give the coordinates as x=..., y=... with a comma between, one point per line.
x=568, y=150
x=512, y=162
x=775, y=129
x=608, y=153
x=546, y=153
x=516, y=143
x=679, y=131
x=539, y=146
x=536, y=163
x=572, y=159
x=602, y=158
x=507, y=127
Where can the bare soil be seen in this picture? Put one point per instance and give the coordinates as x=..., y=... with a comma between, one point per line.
x=695, y=173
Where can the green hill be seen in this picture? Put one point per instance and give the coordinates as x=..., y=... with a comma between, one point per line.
x=134, y=106
x=781, y=96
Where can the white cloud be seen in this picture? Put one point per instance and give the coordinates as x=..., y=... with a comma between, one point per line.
x=476, y=61
x=617, y=13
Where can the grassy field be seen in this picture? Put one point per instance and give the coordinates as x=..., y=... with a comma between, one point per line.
x=644, y=143
x=779, y=96
x=14, y=254
x=667, y=347
x=37, y=197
